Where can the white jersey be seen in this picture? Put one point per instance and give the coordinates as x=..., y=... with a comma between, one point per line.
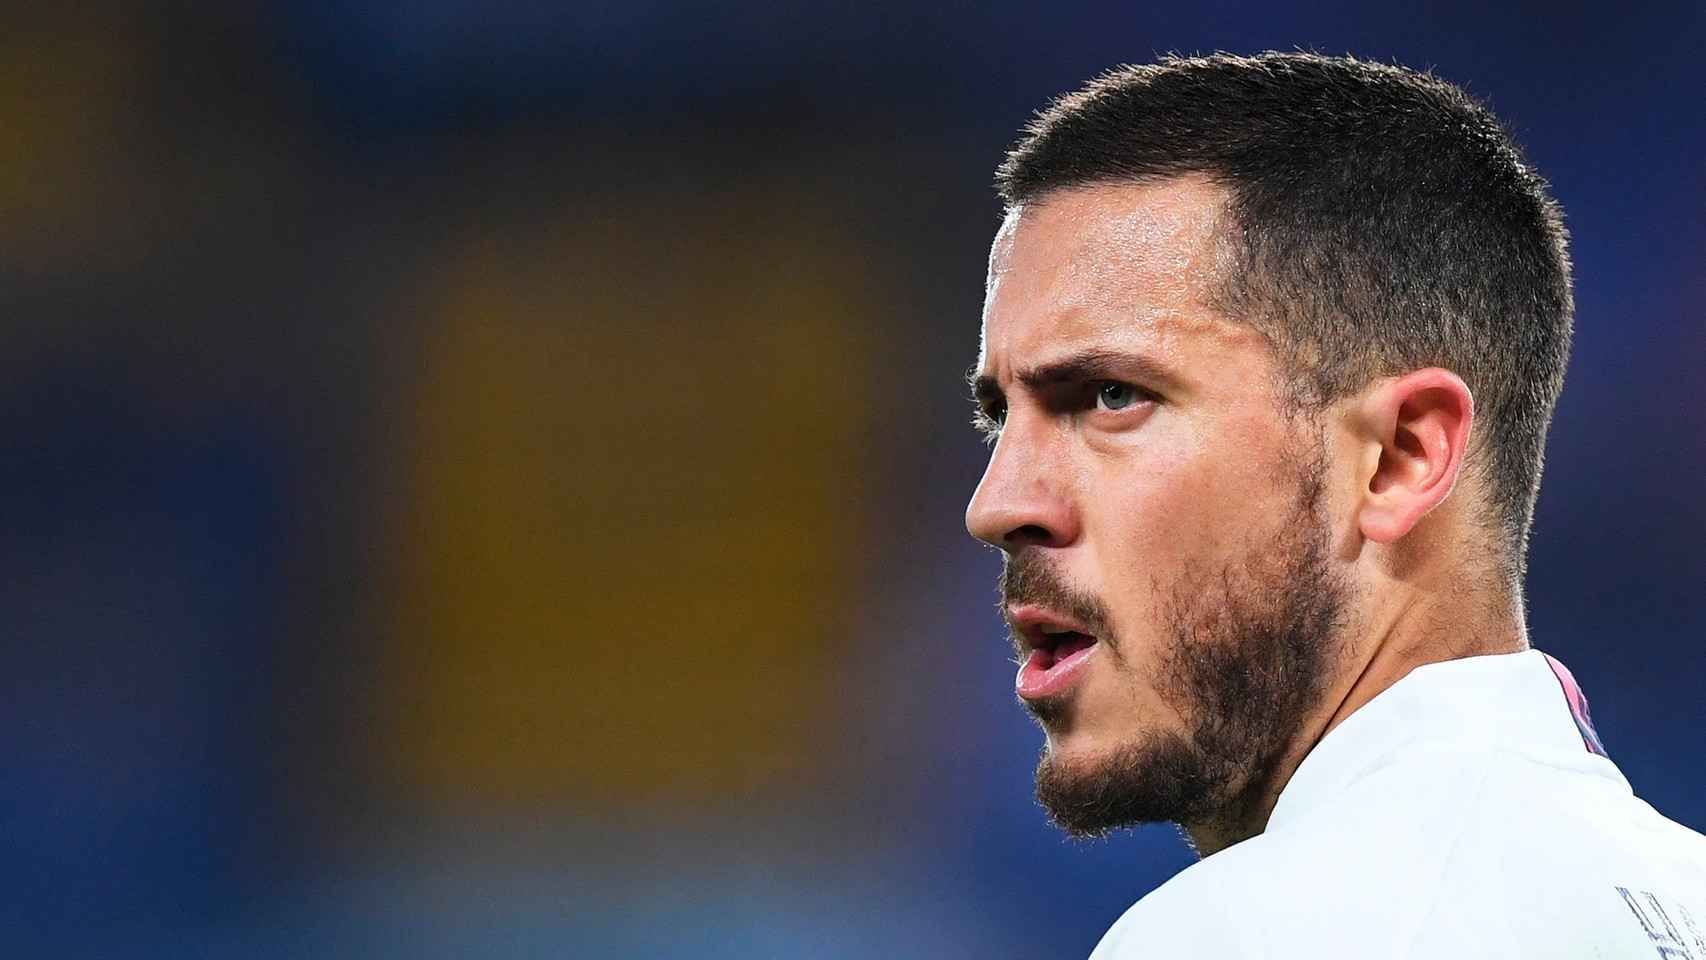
x=1466, y=811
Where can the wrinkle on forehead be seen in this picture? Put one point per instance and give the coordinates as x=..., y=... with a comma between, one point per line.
x=1110, y=263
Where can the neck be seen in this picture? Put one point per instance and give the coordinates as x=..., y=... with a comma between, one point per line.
x=1429, y=628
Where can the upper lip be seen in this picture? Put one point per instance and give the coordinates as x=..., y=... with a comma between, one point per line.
x=1035, y=623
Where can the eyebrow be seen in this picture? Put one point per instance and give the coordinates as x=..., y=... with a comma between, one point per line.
x=1077, y=368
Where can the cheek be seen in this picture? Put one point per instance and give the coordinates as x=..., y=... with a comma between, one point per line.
x=1150, y=525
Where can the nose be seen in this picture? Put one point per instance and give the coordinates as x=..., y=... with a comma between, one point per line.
x=1024, y=498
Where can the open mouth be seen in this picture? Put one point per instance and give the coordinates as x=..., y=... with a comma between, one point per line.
x=1058, y=652
x=1060, y=646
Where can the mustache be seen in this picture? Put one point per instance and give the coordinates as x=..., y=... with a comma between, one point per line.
x=1028, y=578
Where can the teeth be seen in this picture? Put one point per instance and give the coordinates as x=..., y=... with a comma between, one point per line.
x=1052, y=631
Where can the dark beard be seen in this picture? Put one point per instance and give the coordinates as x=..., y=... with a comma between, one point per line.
x=1250, y=649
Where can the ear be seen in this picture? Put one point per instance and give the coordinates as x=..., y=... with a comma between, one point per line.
x=1416, y=431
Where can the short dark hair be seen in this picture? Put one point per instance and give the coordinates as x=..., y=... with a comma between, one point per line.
x=1380, y=220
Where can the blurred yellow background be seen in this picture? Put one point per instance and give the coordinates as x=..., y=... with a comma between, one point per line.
x=622, y=572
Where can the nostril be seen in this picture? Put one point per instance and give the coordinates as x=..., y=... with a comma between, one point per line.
x=1030, y=533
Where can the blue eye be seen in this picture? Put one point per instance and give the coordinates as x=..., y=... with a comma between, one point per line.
x=1112, y=395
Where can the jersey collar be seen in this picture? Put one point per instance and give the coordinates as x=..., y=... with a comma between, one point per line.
x=1525, y=703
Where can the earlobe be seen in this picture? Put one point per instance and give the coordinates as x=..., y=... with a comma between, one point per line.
x=1418, y=427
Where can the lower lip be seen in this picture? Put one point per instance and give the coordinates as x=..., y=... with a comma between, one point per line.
x=1037, y=682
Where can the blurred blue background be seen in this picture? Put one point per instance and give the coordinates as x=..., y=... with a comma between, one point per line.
x=486, y=478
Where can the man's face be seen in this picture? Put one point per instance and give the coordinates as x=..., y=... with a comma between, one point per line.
x=1169, y=579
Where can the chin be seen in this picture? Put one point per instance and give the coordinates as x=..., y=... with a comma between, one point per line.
x=1091, y=786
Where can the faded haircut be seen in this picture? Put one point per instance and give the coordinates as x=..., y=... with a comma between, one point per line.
x=1379, y=220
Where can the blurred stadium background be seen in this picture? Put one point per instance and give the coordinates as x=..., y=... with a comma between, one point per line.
x=485, y=479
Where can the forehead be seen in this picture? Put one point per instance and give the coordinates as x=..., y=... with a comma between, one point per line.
x=1113, y=266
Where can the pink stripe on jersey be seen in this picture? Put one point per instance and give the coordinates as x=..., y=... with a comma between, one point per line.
x=1578, y=702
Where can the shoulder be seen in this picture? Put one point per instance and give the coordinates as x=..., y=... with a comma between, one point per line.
x=1206, y=910
x=1345, y=889
x=1437, y=856
x=1353, y=877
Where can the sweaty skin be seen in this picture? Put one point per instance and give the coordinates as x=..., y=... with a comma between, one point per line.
x=1124, y=500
